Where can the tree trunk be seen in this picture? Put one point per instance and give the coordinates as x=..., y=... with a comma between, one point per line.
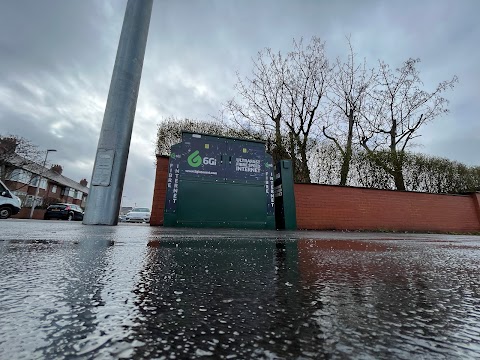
x=304, y=171
x=397, y=162
x=348, y=151
x=345, y=166
x=278, y=151
x=295, y=167
x=396, y=158
x=399, y=181
x=278, y=134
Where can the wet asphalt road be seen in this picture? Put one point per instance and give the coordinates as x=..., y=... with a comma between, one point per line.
x=133, y=291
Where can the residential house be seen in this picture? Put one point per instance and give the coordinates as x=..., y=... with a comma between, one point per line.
x=22, y=177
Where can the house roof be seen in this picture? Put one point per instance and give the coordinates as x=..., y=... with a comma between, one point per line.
x=22, y=163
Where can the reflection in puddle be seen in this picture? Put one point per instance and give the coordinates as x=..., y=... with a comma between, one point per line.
x=390, y=300
x=170, y=296
x=213, y=297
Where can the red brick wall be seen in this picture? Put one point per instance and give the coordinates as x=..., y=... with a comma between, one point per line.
x=325, y=207
x=25, y=214
x=159, y=191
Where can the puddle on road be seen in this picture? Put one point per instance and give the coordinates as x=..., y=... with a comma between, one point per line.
x=171, y=297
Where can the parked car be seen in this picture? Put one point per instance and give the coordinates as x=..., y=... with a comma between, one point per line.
x=64, y=211
x=138, y=215
x=9, y=203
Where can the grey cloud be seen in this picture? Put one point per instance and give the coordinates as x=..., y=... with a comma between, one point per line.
x=43, y=35
x=57, y=59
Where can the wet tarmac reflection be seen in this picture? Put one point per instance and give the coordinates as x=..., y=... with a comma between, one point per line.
x=264, y=296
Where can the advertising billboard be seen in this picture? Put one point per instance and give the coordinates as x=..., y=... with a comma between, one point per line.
x=207, y=159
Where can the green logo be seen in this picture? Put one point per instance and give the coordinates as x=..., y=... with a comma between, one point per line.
x=194, y=160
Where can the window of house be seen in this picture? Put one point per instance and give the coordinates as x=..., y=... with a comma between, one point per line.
x=14, y=175
x=29, y=201
x=54, y=189
x=43, y=182
x=34, y=180
x=22, y=195
x=68, y=192
x=20, y=176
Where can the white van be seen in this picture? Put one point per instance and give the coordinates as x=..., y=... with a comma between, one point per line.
x=9, y=203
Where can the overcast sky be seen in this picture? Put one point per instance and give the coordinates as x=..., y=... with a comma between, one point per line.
x=56, y=60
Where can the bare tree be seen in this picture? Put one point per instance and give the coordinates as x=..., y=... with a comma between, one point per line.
x=261, y=99
x=282, y=97
x=350, y=85
x=308, y=76
x=398, y=108
x=15, y=153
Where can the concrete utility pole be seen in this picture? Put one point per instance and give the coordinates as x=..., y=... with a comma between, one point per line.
x=108, y=176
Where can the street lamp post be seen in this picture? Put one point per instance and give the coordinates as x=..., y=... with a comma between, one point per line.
x=38, y=182
x=108, y=174
x=121, y=204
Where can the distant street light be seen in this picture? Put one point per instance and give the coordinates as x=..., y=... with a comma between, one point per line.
x=121, y=204
x=38, y=182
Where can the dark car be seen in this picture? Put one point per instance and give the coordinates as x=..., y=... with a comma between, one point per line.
x=64, y=211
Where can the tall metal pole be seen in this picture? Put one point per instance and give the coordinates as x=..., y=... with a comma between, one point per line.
x=108, y=176
x=38, y=182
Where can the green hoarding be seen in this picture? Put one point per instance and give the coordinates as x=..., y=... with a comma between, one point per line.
x=285, y=208
x=216, y=181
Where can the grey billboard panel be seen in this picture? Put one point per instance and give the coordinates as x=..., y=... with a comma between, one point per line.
x=246, y=161
x=215, y=158
x=203, y=158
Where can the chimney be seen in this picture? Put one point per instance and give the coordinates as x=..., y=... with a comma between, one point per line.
x=57, y=168
x=84, y=182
